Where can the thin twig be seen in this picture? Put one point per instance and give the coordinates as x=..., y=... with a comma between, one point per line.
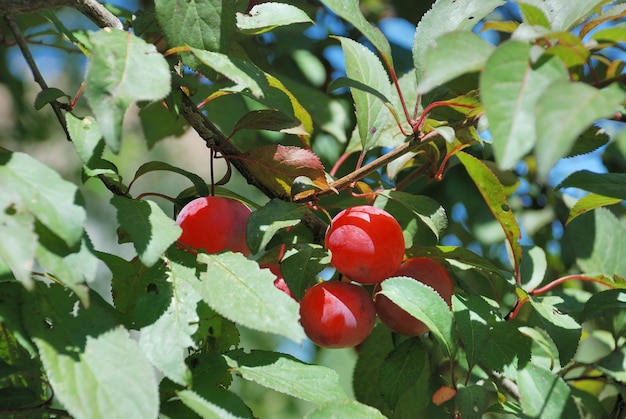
x=93, y=9
x=21, y=43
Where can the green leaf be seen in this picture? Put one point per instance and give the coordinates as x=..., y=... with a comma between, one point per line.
x=158, y=123
x=426, y=305
x=45, y=194
x=533, y=268
x=614, y=365
x=474, y=400
x=473, y=316
x=266, y=16
x=11, y=296
x=351, y=11
x=607, y=184
x=123, y=69
x=141, y=293
x=592, y=139
x=564, y=331
x=588, y=203
x=73, y=267
x=152, y=166
x=452, y=55
x=111, y=369
x=364, y=66
x=458, y=257
x=614, y=34
x=244, y=74
x=544, y=395
x=507, y=347
x=301, y=264
x=400, y=369
x=18, y=241
x=313, y=383
x=492, y=191
x=271, y=120
x=344, y=409
x=167, y=341
x=604, y=302
x=86, y=356
x=48, y=95
x=235, y=288
x=564, y=111
x=564, y=16
x=447, y=16
x=429, y=211
x=598, y=239
x=366, y=376
x=30, y=187
x=510, y=88
x=208, y=24
x=151, y=231
x=268, y=220
x=89, y=144
x=203, y=407
x=533, y=16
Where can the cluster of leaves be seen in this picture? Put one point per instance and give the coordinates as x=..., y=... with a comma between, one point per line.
x=525, y=336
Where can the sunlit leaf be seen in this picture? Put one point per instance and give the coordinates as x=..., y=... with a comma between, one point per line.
x=150, y=230
x=246, y=75
x=364, y=66
x=123, y=69
x=492, y=191
x=167, y=341
x=350, y=11
x=426, y=305
x=208, y=24
x=235, y=288
x=597, y=239
x=89, y=144
x=205, y=408
x=564, y=111
x=447, y=16
x=266, y=16
x=564, y=331
x=510, y=87
x=345, y=409
x=544, y=394
x=452, y=55
x=313, y=383
x=564, y=16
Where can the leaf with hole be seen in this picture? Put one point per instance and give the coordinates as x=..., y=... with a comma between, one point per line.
x=265, y=17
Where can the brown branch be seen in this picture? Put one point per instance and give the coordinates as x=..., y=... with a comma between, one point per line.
x=21, y=43
x=93, y=9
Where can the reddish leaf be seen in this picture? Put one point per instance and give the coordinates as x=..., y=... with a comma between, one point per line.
x=277, y=166
x=443, y=394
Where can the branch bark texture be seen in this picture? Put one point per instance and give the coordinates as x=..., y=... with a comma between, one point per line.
x=93, y=9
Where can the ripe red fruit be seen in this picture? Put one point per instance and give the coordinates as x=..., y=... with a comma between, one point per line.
x=215, y=224
x=337, y=314
x=366, y=243
x=426, y=271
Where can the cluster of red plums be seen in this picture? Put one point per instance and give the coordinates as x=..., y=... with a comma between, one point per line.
x=367, y=247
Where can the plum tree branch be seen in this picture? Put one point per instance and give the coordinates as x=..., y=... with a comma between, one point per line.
x=93, y=9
